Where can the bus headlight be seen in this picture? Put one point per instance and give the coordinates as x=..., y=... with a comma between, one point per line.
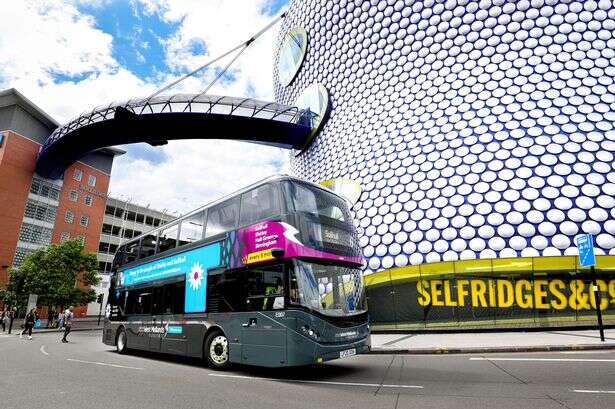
x=310, y=332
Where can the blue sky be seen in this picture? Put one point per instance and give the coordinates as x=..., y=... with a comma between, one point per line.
x=137, y=35
x=88, y=53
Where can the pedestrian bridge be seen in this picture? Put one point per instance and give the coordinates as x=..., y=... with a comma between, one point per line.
x=183, y=116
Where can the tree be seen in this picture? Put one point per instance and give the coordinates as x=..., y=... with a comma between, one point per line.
x=61, y=274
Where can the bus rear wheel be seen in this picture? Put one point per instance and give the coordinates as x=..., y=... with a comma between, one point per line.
x=121, y=341
x=216, y=350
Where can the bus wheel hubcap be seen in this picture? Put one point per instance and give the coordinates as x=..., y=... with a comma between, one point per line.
x=218, y=351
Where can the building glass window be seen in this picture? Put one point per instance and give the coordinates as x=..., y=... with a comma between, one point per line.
x=81, y=240
x=40, y=211
x=85, y=220
x=20, y=254
x=292, y=54
x=78, y=175
x=45, y=189
x=31, y=233
x=69, y=217
x=73, y=195
x=64, y=237
x=92, y=180
x=315, y=99
x=88, y=200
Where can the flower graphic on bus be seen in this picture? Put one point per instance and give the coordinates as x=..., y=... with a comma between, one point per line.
x=196, y=276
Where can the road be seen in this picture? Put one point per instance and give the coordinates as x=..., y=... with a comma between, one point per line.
x=44, y=373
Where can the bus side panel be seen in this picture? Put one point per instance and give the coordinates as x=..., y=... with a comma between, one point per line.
x=263, y=341
x=195, y=333
x=109, y=333
x=136, y=338
x=174, y=340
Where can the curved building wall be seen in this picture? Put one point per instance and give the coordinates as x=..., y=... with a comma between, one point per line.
x=477, y=129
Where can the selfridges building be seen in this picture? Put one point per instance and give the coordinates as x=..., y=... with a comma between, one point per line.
x=481, y=132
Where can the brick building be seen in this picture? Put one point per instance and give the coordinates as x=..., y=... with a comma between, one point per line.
x=37, y=211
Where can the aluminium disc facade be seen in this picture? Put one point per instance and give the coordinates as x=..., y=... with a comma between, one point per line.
x=477, y=129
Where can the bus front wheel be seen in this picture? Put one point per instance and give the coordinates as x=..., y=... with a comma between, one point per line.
x=216, y=350
x=121, y=341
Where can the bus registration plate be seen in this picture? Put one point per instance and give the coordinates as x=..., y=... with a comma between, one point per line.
x=347, y=353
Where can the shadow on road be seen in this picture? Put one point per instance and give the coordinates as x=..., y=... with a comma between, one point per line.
x=320, y=372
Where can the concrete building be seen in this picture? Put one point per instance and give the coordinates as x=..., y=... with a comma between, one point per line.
x=38, y=211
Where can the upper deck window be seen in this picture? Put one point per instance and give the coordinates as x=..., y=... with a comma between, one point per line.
x=259, y=204
x=168, y=238
x=192, y=228
x=223, y=217
x=131, y=252
x=316, y=201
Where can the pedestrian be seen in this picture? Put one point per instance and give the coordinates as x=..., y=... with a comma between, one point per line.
x=11, y=318
x=4, y=319
x=60, y=321
x=29, y=323
x=49, y=317
x=68, y=322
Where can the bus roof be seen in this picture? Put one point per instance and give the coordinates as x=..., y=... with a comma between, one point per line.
x=274, y=178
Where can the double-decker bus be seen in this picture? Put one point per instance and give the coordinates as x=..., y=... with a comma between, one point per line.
x=268, y=276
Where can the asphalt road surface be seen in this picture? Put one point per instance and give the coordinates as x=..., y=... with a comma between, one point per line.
x=44, y=373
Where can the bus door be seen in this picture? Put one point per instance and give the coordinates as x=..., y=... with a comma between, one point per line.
x=139, y=305
x=263, y=338
x=157, y=325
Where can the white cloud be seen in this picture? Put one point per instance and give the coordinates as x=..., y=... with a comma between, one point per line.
x=195, y=173
x=221, y=25
x=54, y=54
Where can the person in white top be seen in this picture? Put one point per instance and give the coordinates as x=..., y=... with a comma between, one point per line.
x=68, y=322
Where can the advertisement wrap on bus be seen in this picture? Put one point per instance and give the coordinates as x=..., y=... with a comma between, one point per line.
x=259, y=242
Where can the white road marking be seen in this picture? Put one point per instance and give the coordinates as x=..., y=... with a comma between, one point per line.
x=590, y=391
x=375, y=385
x=102, y=364
x=544, y=359
x=43, y=350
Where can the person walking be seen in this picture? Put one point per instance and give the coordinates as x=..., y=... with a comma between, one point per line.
x=68, y=322
x=12, y=312
x=4, y=319
x=60, y=323
x=29, y=324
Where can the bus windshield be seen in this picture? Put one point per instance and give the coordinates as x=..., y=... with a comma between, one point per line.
x=329, y=289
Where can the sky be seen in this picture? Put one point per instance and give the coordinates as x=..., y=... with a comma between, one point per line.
x=70, y=56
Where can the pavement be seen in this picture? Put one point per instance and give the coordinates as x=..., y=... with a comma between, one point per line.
x=490, y=342
x=79, y=324
x=44, y=373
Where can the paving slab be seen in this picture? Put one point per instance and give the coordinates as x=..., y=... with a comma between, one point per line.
x=519, y=341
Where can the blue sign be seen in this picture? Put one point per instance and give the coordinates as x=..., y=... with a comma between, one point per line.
x=193, y=264
x=175, y=329
x=585, y=244
x=196, y=276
